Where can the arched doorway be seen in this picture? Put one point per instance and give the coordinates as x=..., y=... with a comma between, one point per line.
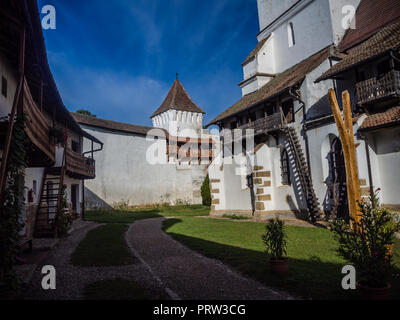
x=337, y=186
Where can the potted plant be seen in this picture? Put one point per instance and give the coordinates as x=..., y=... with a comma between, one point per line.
x=275, y=242
x=368, y=245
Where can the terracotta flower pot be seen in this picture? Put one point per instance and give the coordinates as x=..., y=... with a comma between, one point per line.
x=368, y=293
x=280, y=266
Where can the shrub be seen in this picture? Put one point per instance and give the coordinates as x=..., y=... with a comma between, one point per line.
x=275, y=239
x=368, y=244
x=205, y=192
x=12, y=203
x=65, y=218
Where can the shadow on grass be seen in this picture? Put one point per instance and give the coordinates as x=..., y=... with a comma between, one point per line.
x=310, y=278
x=132, y=215
x=103, y=246
x=121, y=216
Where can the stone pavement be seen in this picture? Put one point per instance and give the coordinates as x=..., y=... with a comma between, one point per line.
x=186, y=274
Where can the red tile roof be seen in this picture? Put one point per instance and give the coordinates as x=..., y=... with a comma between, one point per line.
x=389, y=117
x=277, y=85
x=371, y=15
x=177, y=99
x=379, y=44
x=111, y=125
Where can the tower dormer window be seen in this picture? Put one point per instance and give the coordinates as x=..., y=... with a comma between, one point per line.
x=291, y=38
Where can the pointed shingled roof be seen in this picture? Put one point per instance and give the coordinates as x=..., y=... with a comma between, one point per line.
x=177, y=99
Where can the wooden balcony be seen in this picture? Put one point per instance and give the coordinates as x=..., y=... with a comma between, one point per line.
x=265, y=125
x=79, y=167
x=37, y=128
x=376, y=89
x=269, y=124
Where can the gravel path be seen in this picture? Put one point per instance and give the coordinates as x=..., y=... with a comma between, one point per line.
x=71, y=280
x=186, y=274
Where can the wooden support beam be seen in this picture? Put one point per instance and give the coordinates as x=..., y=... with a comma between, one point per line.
x=345, y=128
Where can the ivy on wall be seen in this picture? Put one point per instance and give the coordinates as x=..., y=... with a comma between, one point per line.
x=12, y=203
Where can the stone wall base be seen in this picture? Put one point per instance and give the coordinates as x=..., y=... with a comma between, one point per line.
x=395, y=207
x=263, y=215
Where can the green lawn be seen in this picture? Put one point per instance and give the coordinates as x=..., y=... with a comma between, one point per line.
x=315, y=268
x=117, y=289
x=103, y=246
x=131, y=215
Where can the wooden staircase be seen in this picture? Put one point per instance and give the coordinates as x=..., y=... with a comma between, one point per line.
x=303, y=172
x=49, y=205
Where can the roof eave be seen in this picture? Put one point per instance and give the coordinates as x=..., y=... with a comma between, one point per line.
x=215, y=121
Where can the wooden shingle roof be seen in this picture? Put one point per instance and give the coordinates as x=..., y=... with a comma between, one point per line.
x=177, y=99
x=257, y=49
x=386, y=39
x=371, y=15
x=387, y=118
x=111, y=125
x=282, y=82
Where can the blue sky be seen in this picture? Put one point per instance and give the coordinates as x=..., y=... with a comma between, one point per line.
x=119, y=58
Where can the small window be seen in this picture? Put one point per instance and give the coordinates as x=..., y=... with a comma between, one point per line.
x=75, y=146
x=34, y=186
x=4, y=87
x=285, y=168
x=291, y=38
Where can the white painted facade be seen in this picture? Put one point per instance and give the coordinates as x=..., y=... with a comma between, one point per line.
x=125, y=176
x=180, y=123
x=316, y=25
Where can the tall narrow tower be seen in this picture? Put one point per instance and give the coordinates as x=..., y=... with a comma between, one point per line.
x=178, y=113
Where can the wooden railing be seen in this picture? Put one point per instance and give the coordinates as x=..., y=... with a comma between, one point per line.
x=269, y=123
x=378, y=88
x=80, y=166
x=37, y=126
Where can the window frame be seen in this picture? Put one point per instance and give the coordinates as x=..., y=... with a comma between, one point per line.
x=285, y=168
x=291, y=36
x=4, y=87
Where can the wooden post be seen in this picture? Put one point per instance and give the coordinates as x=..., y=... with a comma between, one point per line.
x=345, y=128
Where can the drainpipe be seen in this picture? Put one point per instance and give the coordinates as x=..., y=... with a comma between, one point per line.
x=371, y=183
x=83, y=181
x=303, y=107
x=83, y=199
